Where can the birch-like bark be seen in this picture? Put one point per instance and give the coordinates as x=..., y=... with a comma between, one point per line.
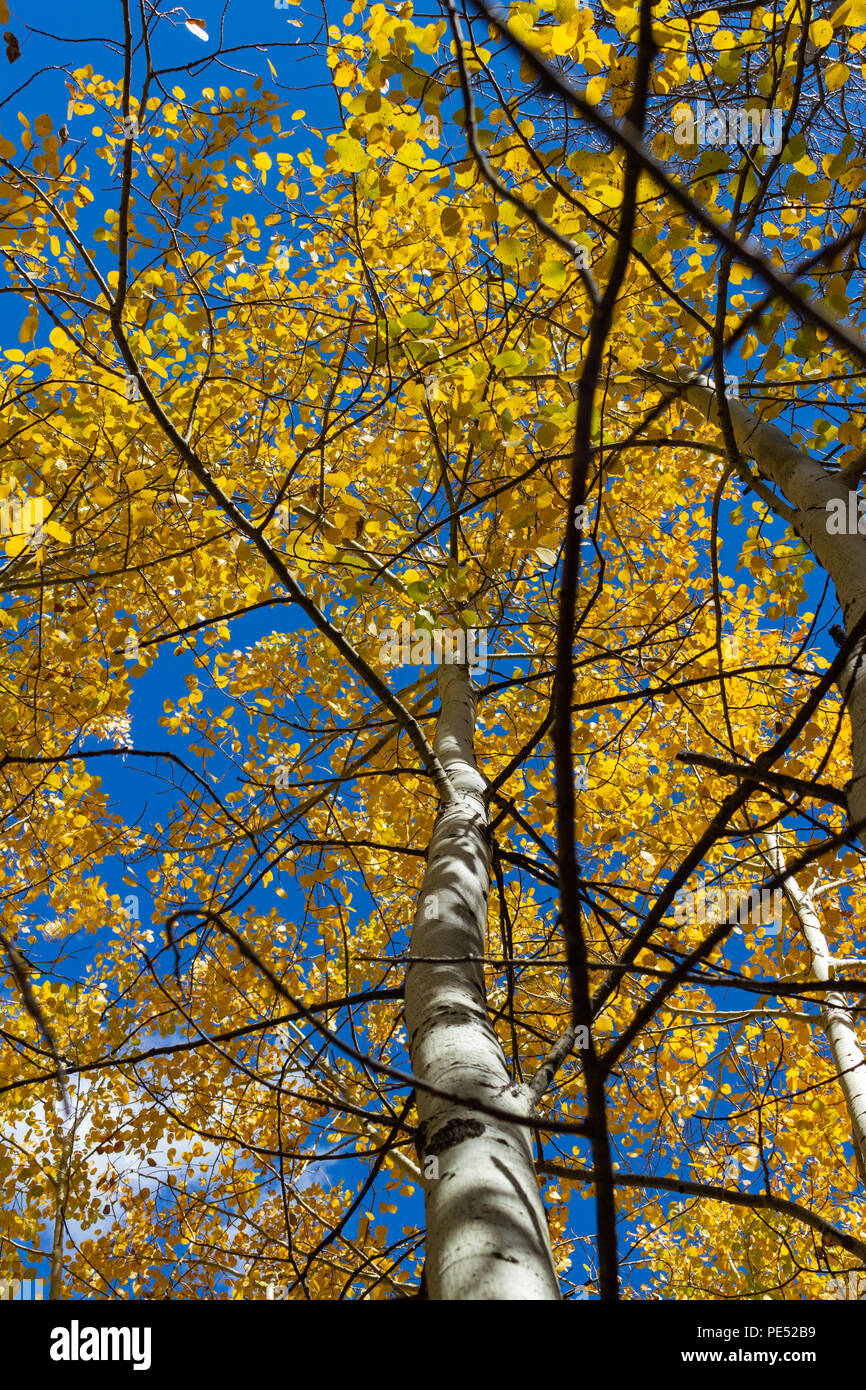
x=487, y=1235
x=836, y=1017
x=808, y=488
x=61, y=1190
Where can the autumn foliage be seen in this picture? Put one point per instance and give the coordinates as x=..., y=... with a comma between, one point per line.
x=286, y=380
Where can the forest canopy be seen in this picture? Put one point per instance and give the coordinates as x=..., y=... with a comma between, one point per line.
x=433, y=607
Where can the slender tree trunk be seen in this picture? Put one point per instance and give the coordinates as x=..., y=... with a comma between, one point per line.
x=61, y=1189
x=808, y=488
x=836, y=1017
x=487, y=1234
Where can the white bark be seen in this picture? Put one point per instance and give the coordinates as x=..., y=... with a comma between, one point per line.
x=838, y=1022
x=61, y=1197
x=808, y=488
x=487, y=1235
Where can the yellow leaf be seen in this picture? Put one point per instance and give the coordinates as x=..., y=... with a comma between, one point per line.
x=561, y=40
x=852, y=13
x=553, y=274
x=821, y=32
x=412, y=155
x=58, y=532
x=451, y=222
x=60, y=339
x=836, y=76
x=173, y=324
x=595, y=91
x=508, y=250
x=350, y=154
x=610, y=196
x=27, y=331
x=344, y=74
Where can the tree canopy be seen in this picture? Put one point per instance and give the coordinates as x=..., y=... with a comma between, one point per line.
x=356, y=352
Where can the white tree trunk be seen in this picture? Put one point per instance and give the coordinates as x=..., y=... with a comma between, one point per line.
x=838, y=1022
x=808, y=488
x=487, y=1235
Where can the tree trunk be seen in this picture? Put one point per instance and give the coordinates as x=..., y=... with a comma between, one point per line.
x=487, y=1234
x=836, y=1017
x=808, y=488
x=61, y=1190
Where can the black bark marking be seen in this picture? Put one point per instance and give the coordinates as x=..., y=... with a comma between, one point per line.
x=455, y=1132
x=420, y=1136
